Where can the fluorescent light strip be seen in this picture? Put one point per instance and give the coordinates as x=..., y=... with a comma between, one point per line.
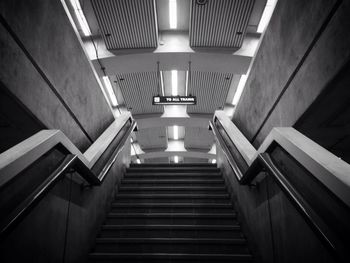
x=186, y=83
x=176, y=159
x=239, y=90
x=162, y=82
x=110, y=91
x=174, y=83
x=176, y=132
x=81, y=17
x=266, y=16
x=172, y=14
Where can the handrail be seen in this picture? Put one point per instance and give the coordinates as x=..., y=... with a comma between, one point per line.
x=70, y=162
x=298, y=147
x=330, y=170
x=19, y=157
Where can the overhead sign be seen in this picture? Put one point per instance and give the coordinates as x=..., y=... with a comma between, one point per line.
x=174, y=100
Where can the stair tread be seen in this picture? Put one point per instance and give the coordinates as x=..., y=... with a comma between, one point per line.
x=172, y=255
x=172, y=187
x=173, y=195
x=238, y=241
x=207, y=215
x=196, y=227
x=184, y=205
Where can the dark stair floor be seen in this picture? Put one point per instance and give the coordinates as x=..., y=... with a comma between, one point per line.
x=171, y=213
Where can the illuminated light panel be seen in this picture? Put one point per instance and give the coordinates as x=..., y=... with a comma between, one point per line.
x=176, y=132
x=239, y=90
x=172, y=14
x=162, y=82
x=174, y=82
x=110, y=91
x=81, y=17
x=266, y=16
x=176, y=159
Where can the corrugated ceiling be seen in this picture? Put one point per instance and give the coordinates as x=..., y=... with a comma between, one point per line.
x=219, y=23
x=138, y=90
x=127, y=24
x=211, y=89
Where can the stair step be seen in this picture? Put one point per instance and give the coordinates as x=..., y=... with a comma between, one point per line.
x=169, y=257
x=173, y=174
x=171, y=245
x=164, y=205
x=171, y=218
x=172, y=165
x=172, y=215
x=171, y=169
x=172, y=207
x=175, y=231
x=173, y=181
x=172, y=188
x=172, y=196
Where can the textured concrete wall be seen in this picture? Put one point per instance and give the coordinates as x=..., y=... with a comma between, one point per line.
x=275, y=230
x=305, y=45
x=45, y=67
x=63, y=226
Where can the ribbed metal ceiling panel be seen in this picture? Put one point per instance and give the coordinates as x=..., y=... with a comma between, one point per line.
x=127, y=24
x=219, y=23
x=152, y=138
x=198, y=138
x=211, y=89
x=138, y=90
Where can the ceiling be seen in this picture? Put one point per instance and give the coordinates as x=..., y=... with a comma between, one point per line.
x=211, y=47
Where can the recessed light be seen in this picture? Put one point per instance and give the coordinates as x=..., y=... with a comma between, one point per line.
x=172, y=14
x=81, y=17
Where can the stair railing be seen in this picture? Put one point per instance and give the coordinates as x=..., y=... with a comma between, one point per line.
x=327, y=168
x=21, y=156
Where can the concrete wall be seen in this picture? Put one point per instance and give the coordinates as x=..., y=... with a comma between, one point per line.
x=63, y=226
x=275, y=230
x=45, y=67
x=305, y=45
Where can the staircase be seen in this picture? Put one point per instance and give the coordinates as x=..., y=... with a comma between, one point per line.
x=171, y=213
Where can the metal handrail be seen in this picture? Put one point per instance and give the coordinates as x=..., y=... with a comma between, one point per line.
x=70, y=163
x=263, y=162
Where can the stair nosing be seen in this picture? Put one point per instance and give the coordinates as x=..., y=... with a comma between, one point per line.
x=184, y=227
x=238, y=241
x=204, y=215
x=173, y=255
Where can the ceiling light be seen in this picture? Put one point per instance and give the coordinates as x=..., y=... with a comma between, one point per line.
x=172, y=14
x=81, y=18
x=176, y=159
x=162, y=82
x=186, y=83
x=176, y=132
x=138, y=161
x=239, y=90
x=110, y=91
x=213, y=161
x=174, y=82
x=266, y=16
